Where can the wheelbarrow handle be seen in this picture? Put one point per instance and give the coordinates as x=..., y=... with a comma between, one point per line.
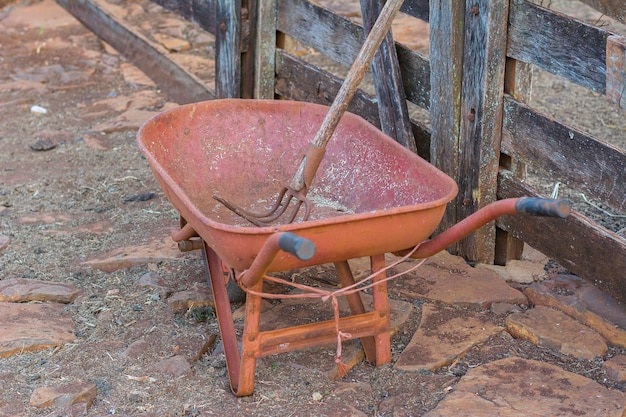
x=298, y=246
x=510, y=206
x=546, y=207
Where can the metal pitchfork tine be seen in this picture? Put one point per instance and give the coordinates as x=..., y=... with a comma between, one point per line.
x=267, y=217
x=301, y=181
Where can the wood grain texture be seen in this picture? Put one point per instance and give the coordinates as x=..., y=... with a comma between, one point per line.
x=481, y=118
x=559, y=44
x=265, y=50
x=340, y=40
x=612, y=8
x=179, y=84
x=577, y=243
x=616, y=70
x=416, y=8
x=227, y=54
x=391, y=99
x=446, y=75
x=565, y=154
x=298, y=80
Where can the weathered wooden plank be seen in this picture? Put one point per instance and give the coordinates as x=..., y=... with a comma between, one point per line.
x=179, y=84
x=616, y=70
x=559, y=44
x=298, y=80
x=416, y=8
x=446, y=76
x=247, y=47
x=481, y=118
x=612, y=8
x=392, y=107
x=565, y=154
x=265, y=50
x=415, y=71
x=201, y=12
x=576, y=243
x=517, y=84
x=340, y=40
x=227, y=54
x=319, y=28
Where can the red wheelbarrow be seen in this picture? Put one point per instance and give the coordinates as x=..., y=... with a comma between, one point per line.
x=370, y=197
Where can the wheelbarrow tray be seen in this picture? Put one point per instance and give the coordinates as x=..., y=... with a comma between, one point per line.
x=371, y=195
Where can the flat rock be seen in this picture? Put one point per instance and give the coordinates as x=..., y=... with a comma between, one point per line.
x=19, y=290
x=157, y=250
x=183, y=301
x=444, y=335
x=616, y=368
x=449, y=279
x=175, y=366
x=516, y=387
x=156, y=282
x=553, y=329
x=583, y=301
x=519, y=271
x=129, y=120
x=30, y=327
x=64, y=396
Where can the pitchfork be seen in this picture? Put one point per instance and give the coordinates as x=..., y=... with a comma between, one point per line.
x=301, y=181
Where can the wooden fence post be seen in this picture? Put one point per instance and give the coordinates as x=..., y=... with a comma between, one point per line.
x=265, y=50
x=468, y=44
x=227, y=56
x=518, y=84
x=391, y=98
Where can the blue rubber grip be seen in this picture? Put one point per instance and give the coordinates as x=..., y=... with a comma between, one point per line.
x=547, y=207
x=300, y=247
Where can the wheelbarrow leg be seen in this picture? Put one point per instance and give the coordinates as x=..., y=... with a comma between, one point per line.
x=383, y=339
x=225, y=321
x=356, y=307
x=249, y=340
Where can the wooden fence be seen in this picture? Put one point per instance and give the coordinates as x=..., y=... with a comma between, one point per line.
x=475, y=85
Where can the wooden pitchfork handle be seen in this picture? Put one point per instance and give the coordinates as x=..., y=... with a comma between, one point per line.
x=315, y=151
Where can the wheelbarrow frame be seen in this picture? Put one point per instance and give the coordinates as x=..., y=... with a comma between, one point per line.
x=388, y=216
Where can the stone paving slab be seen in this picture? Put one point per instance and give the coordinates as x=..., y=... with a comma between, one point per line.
x=449, y=279
x=19, y=290
x=583, y=301
x=551, y=328
x=30, y=327
x=445, y=335
x=161, y=248
x=516, y=387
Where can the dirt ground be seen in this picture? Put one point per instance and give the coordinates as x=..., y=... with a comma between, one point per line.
x=70, y=192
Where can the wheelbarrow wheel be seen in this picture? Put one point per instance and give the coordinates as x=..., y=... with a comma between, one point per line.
x=234, y=291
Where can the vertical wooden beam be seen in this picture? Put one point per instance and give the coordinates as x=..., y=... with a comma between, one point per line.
x=468, y=44
x=248, y=46
x=446, y=19
x=265, y=49
x=517, y=84
x=391, y=98
x=616, y=70
x=484, y=58
x=227, y=43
